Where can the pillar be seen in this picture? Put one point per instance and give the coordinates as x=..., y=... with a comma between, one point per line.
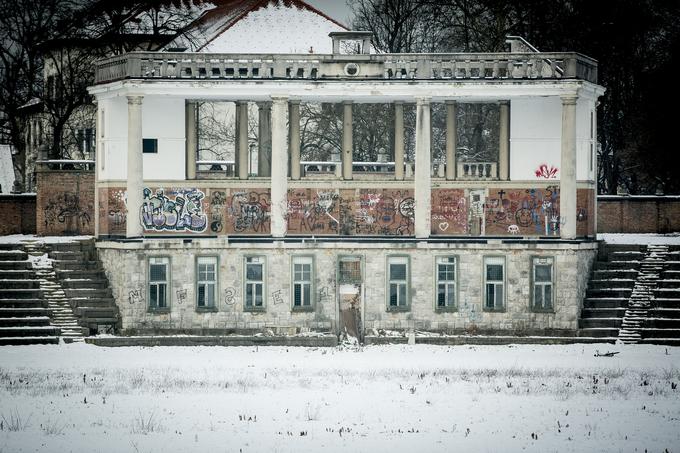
x=191, y=128
x=504, y=142
x=264, y=139
x=451, y=140
x=568, y=170
x=347, y=145
x=279, y=168
x=423, y=165
x=242, y=139
x=399, y=141
x=294, y=138
x=135, y=168
x=97, y=159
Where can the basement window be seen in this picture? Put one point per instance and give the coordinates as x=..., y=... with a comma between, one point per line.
x=150, y=145
x=542, y=283
x=494, y=283
x=159, y=281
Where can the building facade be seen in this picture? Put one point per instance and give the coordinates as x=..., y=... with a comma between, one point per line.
x=448, y=244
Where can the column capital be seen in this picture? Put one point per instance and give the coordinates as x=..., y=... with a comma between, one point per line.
x=294, y=101
x=279, y=98
x=135, y=100
x=347, y=102
x=569, y=99
x=398, y=102
x=450, y=102
x=241, y=102
x=423, y=100
x=504, y=102
x=264, y=105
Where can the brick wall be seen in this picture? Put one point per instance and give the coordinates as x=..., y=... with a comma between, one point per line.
x=638, y=214
x=18, y=214
x=65, y=202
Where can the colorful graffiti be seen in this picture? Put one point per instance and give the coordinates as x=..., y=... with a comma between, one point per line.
x=63, y=213
x=313, y=211
x=449, y=214
x=546, y=172
x=218, y=201
x=247, y=212
x=386, y=212
x=183, y=213
x=523, y=212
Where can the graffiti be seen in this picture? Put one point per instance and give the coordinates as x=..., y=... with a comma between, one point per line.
x=324, y=294
x=546, y=172
x=181, y=296
x=218, y=200
x=117, y=211
x=523, y=211
x=449, y=211
x=135, y=297
x=184, y=213
x=312, y=211
x=248, y=212
x=229, y=296
x=585, y=202
x=65, y=208
x=277, y=297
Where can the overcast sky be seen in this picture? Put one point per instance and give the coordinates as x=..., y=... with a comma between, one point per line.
x=337, y=9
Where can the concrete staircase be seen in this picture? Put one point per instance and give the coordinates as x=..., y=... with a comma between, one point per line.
x=633, y=295
x=52, y=291
x=24, y=315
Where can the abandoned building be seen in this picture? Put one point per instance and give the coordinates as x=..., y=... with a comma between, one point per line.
x=407, y=240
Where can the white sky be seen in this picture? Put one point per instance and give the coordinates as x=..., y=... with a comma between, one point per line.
x=337, y=9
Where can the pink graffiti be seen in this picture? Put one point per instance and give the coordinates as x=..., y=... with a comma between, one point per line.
x=547, y=172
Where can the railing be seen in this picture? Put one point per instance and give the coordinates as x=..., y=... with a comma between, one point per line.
x=177, y=65
x=477, y=170
x=221, y=167
x=321, y=168
x=372, y=167
x=66, y=164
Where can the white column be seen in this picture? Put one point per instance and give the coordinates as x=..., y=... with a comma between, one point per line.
x=97, y=160
x=451, y=140
x=347, y=145
x=135, y=168
x=191, y=129
x=399, y=141
x=294, y=138
x=279, y=178
x=242, y=139
x=423, y=165
x=504, y=142
x=264, y=139
x=568, y=170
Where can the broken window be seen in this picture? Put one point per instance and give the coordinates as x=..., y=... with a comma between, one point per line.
x=159, y=278
x=349, y=270
x=206, y=281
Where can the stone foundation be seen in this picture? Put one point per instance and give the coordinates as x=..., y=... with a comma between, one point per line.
x=126, y=265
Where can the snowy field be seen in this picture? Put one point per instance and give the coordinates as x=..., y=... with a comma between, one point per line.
x=379, y=399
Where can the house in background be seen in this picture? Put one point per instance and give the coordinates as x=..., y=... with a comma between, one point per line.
x=447, y=244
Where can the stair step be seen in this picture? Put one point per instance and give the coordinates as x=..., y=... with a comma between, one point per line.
x=23, y=303
x=19, y=283
x=20, y=293
x=609, y=292
x=603, y=312
x=598, y=332
x=47, y=339
x=585, y=323
x=31, y=321
x=670, y=313
x=28, y=331
x=15, y=265
x=13, y=255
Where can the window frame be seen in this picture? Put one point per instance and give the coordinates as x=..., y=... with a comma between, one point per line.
x=150, y=140
x=533, y=283
x=198, y=282
x=312, y=284
x=495, y=309
x=253, y=308
x=388, y=282
x=338, y=269
x=168, y=283
x=447, y=308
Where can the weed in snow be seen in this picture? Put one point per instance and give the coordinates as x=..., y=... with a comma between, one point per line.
x=14, y=421
x=142, y=424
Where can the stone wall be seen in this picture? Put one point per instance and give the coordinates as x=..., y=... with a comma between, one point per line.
x=18, y=214
x=638, y=214
x=126, y=267
x=65, y=202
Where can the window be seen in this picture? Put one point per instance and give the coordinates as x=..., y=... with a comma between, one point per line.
x=542, y=287
x=494, y=283
x=349, y=270
x=446, y=282
x=159, y=278
x=254, y=282
x=206, y=282
x=398, y=282
x=303, y=276
x=150, y=145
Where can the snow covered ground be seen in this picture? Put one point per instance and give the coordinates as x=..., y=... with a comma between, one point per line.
x=380, y=399
x=648, y=238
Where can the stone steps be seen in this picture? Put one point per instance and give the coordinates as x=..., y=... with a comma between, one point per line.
x=27, y=321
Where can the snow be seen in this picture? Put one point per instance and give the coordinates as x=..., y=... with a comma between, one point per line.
x=644, y=239
x=276, y=29
x=79, y=397
x=32, y=238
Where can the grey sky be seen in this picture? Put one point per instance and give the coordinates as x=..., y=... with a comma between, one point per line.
x=337, y=9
